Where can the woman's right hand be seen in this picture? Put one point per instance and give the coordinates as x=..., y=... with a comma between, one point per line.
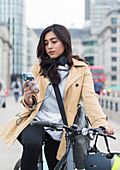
x=28, y=92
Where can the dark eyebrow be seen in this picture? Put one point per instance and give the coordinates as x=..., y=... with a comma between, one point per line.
x=52, y=38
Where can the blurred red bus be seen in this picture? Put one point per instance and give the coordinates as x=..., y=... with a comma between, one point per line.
x=98, y=74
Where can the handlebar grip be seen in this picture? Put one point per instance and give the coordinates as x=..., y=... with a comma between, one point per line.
x=40, y=123
x=103, y=129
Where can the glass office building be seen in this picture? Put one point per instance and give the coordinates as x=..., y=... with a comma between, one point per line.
x=87, y=9
x=12, y=13
x=98, y=10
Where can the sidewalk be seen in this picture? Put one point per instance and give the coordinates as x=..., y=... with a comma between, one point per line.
x=8, y=157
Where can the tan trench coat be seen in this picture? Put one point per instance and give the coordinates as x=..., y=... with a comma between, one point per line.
x=79, y=82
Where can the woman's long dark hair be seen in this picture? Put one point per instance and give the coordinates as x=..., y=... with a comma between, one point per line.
x=47, y=66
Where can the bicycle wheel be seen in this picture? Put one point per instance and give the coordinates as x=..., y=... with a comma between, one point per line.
x=18, y=165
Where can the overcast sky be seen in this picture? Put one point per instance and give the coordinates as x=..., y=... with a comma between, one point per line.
x=42, y=13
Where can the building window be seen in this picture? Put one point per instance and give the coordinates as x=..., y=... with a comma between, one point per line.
x=90, y=43
x=114, y=68
x=114, y=77
x=90, y=60
x=114, y=30
x=114, y=49
x=90, y=50
x=114, y=39
x=114, y=58
x=114, y=20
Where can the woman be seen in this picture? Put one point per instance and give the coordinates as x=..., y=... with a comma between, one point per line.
x=56, y=66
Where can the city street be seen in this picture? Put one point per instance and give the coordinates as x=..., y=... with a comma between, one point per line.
x=8, y=157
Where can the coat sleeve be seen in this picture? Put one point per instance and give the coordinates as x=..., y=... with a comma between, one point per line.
x=35, y=71
x=91, y=101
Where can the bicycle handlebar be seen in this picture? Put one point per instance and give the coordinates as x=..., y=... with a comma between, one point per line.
x=74, y=128
x=99, y=131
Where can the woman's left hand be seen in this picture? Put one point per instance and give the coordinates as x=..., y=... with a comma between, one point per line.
x=109, y=129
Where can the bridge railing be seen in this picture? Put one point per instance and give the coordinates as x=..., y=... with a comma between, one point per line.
x=111, y=106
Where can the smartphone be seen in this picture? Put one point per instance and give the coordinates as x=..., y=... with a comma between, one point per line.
x=29, y=76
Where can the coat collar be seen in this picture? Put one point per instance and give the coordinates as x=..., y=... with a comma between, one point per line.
x=77, y=63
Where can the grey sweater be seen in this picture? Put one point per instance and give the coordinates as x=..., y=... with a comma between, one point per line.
x=49, y=110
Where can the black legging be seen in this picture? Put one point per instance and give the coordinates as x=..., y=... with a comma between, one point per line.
x=32, y=138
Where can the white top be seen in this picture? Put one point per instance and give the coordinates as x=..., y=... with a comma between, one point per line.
x=49, y=111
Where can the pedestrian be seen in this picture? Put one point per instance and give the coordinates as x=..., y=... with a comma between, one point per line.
x=17, y=89
x=56, y=65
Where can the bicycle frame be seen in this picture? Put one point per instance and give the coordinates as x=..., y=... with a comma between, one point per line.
x=40, y=162
x=67, y=159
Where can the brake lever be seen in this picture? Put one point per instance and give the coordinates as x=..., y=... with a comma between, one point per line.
x=113, y=137
x=57, y=127
x=106, y=134
x=50, y=129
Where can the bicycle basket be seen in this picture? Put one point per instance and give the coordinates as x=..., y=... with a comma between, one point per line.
x=101, y=161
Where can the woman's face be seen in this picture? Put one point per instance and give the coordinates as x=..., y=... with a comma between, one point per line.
x=53, y=46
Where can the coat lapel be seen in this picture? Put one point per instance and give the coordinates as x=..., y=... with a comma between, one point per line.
x=72, y=77
x=74, y=74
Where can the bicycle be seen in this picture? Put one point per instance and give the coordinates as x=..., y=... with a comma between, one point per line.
x=67, y=161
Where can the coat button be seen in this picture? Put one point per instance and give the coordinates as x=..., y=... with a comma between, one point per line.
x=77, y=85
